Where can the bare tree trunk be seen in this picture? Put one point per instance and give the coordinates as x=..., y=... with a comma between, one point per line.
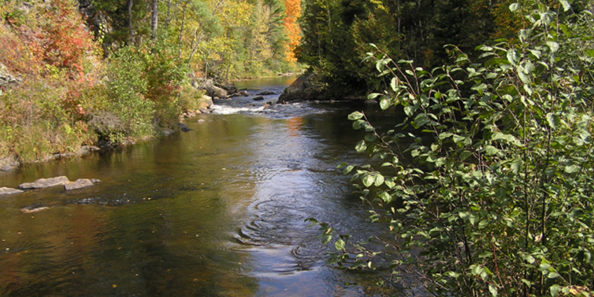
x=154, y=17
x=195, y=46
x=130, y=21
x=181, y=30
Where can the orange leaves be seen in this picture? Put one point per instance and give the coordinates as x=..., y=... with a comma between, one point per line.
x=293, y=12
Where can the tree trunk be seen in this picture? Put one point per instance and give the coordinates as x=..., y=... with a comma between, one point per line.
x=154, y=17
x=181, y=30
x=130, y=21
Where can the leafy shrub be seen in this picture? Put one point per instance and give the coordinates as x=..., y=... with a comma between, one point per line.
x=497, y=197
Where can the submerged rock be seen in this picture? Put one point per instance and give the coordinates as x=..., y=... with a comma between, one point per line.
x=45, y=183
x=32, y=210
x=184, y=127
x=266, y=93
x=9, y=191
x=78, y=184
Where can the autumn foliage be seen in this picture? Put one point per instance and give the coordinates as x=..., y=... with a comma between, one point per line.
x=293, y=12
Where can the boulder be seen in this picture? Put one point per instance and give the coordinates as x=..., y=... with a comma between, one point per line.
x=105, y=123
x=45, y=183
x=9, y=191
x=9, y=163
x=214, y=91
x=306, y=88
x=78, y=184
x=259, y=98
x=167, y=132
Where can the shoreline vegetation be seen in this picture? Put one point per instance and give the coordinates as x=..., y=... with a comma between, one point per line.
x=79, y=76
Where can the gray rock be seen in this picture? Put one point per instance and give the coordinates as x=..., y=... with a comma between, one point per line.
x=167, y=132
x=214, y=91
x=45, y=183
x=9, y=191
x=260, y=98
x=7, y=79
x=9, y=163
x=78, y=184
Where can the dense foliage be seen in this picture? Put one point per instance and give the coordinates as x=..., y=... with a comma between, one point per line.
x=336, y=34
x=486, y=182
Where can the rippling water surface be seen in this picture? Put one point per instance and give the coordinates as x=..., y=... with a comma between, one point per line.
x=217, y=211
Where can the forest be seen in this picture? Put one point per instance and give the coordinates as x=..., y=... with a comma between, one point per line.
x=110, y=71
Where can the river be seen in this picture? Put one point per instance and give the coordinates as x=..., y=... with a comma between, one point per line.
x=217, y=211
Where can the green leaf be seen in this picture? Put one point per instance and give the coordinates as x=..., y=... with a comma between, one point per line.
x=458, y=138
x=370, y=137
x=507, y=137
x=514, y=6
x=368, y=180
x=355, y=115
x=479, y=87
x=516, y=166
x=348, y=169
x=393, y=84
x=483, y=223
x=361, y=146
x=390, y=184
x=491, y=150
x=555, y=289
x=566, y=5
x=464, y=155
x=553, y=120
x=373, y=96
x=339, y=244
x=420, y=120
x=326, y=238
x=379, y=180
x=572, y=169
x=554, y=46
x=493, y=290
x=553, y=275
x=384, y=103
x=386, y=197
x=409, y=110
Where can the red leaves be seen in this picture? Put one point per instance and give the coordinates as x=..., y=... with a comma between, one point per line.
x=66, y=39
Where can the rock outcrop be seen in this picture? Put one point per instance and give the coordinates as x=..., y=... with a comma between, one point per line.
x=45, y=183
x=7, y=79
x=306, y=88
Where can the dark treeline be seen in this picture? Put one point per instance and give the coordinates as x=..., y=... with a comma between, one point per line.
x=337, y=33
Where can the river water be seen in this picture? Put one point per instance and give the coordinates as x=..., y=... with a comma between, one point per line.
x=217, y=211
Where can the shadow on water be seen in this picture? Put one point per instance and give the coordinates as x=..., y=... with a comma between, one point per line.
x=217, y=211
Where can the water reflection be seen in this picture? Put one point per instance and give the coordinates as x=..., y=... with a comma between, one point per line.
x=217, y=211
